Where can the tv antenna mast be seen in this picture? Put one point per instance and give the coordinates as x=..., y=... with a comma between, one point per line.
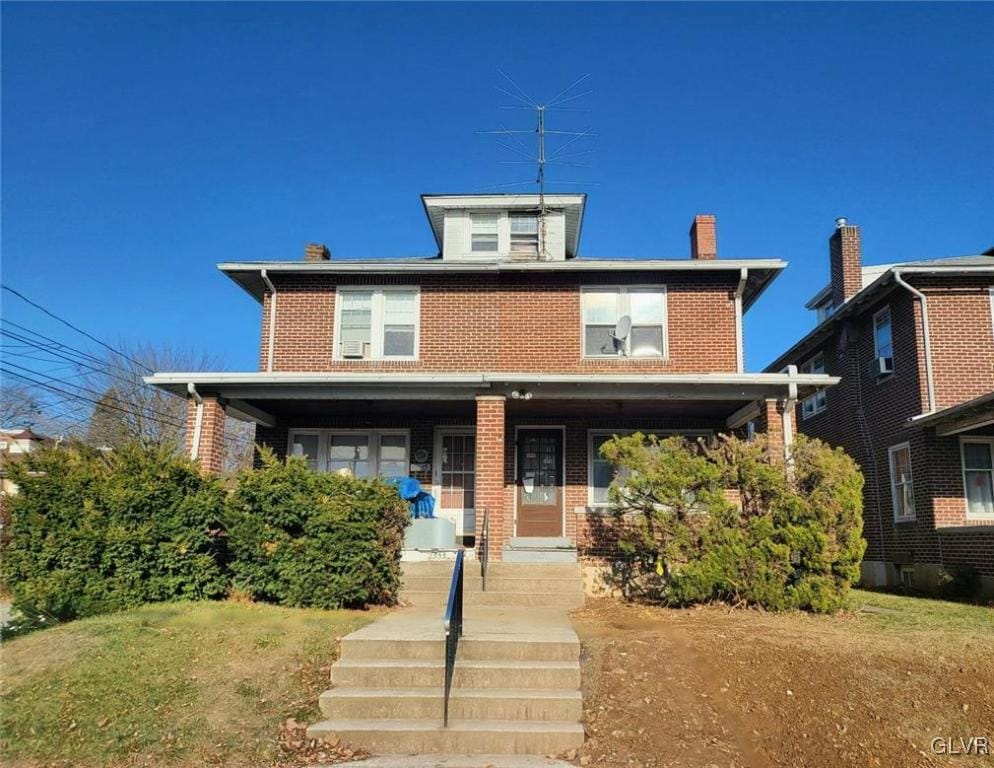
x=541, y=158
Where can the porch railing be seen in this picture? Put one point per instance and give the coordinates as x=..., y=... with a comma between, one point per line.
x=453, y=631
x=485, y=547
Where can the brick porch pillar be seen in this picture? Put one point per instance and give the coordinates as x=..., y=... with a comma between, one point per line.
x=210, y=450
x=490, y=471
x=772, y=421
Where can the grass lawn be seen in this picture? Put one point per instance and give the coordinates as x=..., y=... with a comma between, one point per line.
x=714, y=687
x=177, y=684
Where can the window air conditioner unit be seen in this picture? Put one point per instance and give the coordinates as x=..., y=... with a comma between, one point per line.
x=883, y=365
x=352, y=349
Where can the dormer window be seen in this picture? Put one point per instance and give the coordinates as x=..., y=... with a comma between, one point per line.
x=484, y=232
x=825, y=310
x=524, y=234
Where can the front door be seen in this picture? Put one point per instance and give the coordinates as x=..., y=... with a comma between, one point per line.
x=539, y=484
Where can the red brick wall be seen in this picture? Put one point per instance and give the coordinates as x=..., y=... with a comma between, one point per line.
x=962, y=334
x=509, y=322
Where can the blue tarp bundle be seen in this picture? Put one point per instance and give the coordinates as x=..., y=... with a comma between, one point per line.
x=422, y=504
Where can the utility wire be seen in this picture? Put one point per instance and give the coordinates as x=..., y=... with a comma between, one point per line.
x=74, y=327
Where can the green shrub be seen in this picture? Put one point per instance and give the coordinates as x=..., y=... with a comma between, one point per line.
x=787, y=542
x=959, y=582
x=313, y=539
x=91, y=533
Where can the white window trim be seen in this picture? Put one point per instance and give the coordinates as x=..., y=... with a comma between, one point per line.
x=989, y=442
x=818, y=397
x=324, y=442
x=876, y=349
x=893, y=484
x=376, y=322
x=991, y=292
x=624, y=290
x=598, y=431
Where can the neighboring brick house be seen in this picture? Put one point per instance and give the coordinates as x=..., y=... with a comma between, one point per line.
x=914, y=345
x=493, y=371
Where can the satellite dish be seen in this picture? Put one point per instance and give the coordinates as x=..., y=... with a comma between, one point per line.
x=623, y=328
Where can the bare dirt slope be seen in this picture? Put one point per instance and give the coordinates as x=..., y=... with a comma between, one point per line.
x=713, y=687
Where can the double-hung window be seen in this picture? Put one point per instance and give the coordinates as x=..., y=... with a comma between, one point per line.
x=524, y=234
x=978, y=477
x=817, y=402
x=883, y=346
x=602, y=310
x=377, y=323
x=902, y=488
x=483, y=232
x=363, y=453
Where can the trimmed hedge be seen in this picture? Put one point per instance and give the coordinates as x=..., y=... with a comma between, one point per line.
x=94, y=532
x=314, y=539
x=91, y=533
x=777, y=540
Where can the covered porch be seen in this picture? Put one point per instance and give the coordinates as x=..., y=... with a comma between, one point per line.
x=524, y=449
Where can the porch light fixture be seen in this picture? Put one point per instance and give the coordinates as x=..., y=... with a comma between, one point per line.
x=521, y=394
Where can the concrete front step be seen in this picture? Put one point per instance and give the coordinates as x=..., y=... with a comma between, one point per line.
x=390, y=736
x=538, y=555
x=464, y=704
x=495, y=569
x=426, y=673
x=533, y=599
x=469, y=649
x=473, y=583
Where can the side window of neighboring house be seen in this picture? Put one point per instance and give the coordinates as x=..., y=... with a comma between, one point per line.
x=901, y=486
x=602, y=308
x=883, y=346
x=991, y=292
x=978, y=476
x=483, y=232
x=377, y=323
x=817, y=402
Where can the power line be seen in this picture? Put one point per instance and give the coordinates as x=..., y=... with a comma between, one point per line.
x=74, y=327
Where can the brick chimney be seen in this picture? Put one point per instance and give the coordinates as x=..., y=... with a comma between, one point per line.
x=847, y=262
x=703, y=237
x=317, y=252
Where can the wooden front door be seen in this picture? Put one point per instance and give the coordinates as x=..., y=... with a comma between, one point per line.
x=539, y=484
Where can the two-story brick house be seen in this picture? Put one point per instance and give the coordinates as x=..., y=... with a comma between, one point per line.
x=913, y=343
x=493, y=371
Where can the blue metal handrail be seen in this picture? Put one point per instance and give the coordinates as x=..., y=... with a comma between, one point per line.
x=453, y=630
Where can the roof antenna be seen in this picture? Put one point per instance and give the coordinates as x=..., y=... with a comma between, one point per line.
x=542, y=158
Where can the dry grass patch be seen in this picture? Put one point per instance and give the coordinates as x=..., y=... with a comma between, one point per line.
x=173, y=685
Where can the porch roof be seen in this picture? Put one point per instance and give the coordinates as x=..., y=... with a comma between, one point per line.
x=963, y=417
x=248, y=393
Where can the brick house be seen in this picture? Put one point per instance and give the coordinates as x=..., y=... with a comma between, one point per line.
x=493, y=371
x=913, y=343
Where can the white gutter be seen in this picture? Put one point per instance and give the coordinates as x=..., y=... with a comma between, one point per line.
x=739, y=351
x=271, y=346
x=198, y=422
x=927, y=341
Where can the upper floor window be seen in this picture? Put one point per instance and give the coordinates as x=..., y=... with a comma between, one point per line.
x=978, y=476
x=604, y=335
x=377, y=323
x=901, y=486
x=883, y=346
x=524, y=233
x=484, y=232
x=817, y=402
x=825, y=310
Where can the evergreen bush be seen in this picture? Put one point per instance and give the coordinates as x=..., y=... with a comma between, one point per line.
x=314, y=539
x=725, y=521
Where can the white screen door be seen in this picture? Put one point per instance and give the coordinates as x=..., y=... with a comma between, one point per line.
x=455, y=478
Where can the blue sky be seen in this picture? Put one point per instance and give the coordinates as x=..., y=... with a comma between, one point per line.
x=144, y=143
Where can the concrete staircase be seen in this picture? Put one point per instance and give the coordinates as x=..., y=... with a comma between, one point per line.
x=516, y=685
x=522, y=585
